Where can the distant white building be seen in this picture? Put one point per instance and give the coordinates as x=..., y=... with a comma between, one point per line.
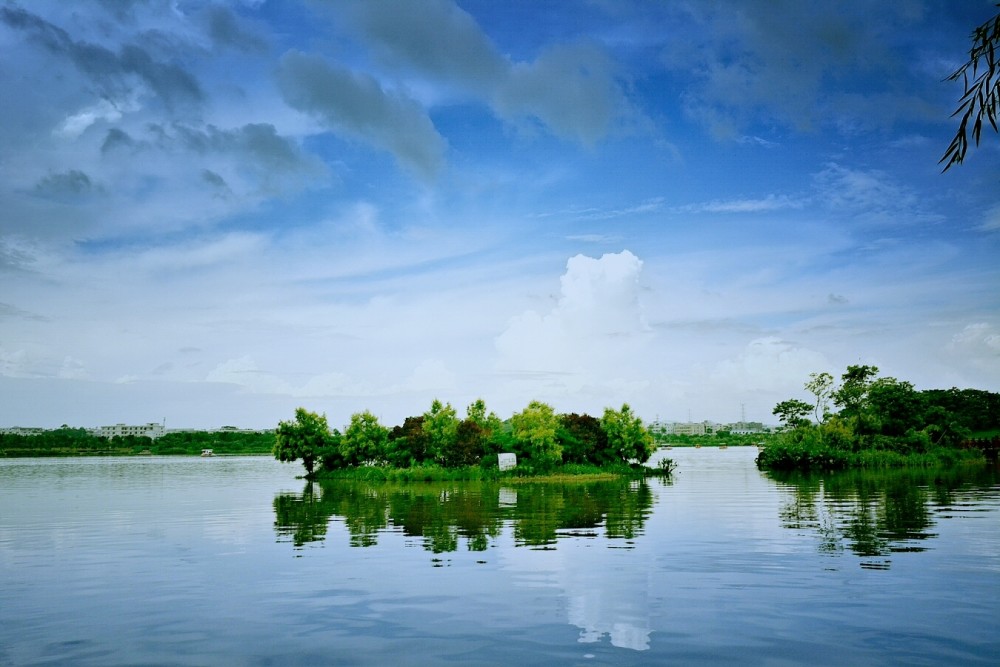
x=689, y=428
x=21, y=430
x=746, y=428
x=151, y=430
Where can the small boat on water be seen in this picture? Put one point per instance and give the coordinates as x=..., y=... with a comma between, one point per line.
x=207, y=452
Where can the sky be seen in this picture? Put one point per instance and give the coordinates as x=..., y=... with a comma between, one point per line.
x=215, y=211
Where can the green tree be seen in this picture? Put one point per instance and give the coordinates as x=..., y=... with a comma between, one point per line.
x=853, y=391
x=488, y=421
x=477, y=412
x=365, y=440
x=628, y=439
x=792, y=412
x=582, y=439
x=968, y=409
x=408, y=444
x=895, y=407
x=440, y=426
x=469, y=444
x=820, y=385
x=980, y=76
x=307, y=437
x=534, y=433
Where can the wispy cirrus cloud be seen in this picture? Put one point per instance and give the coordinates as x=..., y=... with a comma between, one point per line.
x=991, y=221
x=648, y=206
x=769, y=203
x=871, y=196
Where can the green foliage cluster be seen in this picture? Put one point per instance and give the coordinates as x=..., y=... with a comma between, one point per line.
x=220, y=442
x=881, y=422
x=439, y=440
x=68, y=441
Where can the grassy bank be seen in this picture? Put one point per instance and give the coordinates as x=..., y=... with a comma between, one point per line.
x=801, y=456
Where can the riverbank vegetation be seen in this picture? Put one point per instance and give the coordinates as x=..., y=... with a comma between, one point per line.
x=438, y=445
x=717, y=439
x=880, y=422
x=67, y=441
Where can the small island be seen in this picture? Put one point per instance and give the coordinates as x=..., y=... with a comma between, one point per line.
x=882, y=422
x=438, y=445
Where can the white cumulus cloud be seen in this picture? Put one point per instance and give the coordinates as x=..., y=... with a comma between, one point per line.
x=593, y=337
x=770, y=364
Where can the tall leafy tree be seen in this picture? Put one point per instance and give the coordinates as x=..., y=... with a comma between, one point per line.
x=582, y=439
x=469, y=445
x=534, y=433
x=895, y=407
x=628, y=438
x=408, y=444
x=477, y=412
x=365, y=440
x=792, y=412
x=853, y=391
x=307, y=437
x=488, y=420
x=492, y=426
x=440, y=426
x=820, y=385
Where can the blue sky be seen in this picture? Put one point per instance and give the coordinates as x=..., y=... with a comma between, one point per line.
x=212, y=212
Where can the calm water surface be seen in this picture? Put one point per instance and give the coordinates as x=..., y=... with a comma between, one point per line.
x=187, y=561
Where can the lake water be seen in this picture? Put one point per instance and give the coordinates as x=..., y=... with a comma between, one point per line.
x=189, y=561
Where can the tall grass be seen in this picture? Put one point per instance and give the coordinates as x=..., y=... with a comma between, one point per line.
x=816, y=456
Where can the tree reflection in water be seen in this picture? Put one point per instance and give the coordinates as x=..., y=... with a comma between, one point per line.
x=448, y=514
x=875, y=513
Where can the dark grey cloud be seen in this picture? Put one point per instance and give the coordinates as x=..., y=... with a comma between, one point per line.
x=744, y=61
x=123, y=10
x=226, y=30
x=258, y=143
x=356, y=104
x=214, y=179
x=110, y=71
x=217, y=183
x=837, y=299
x=69, y=186
x=570, y=89
x=115, y=139
x=433, y=37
